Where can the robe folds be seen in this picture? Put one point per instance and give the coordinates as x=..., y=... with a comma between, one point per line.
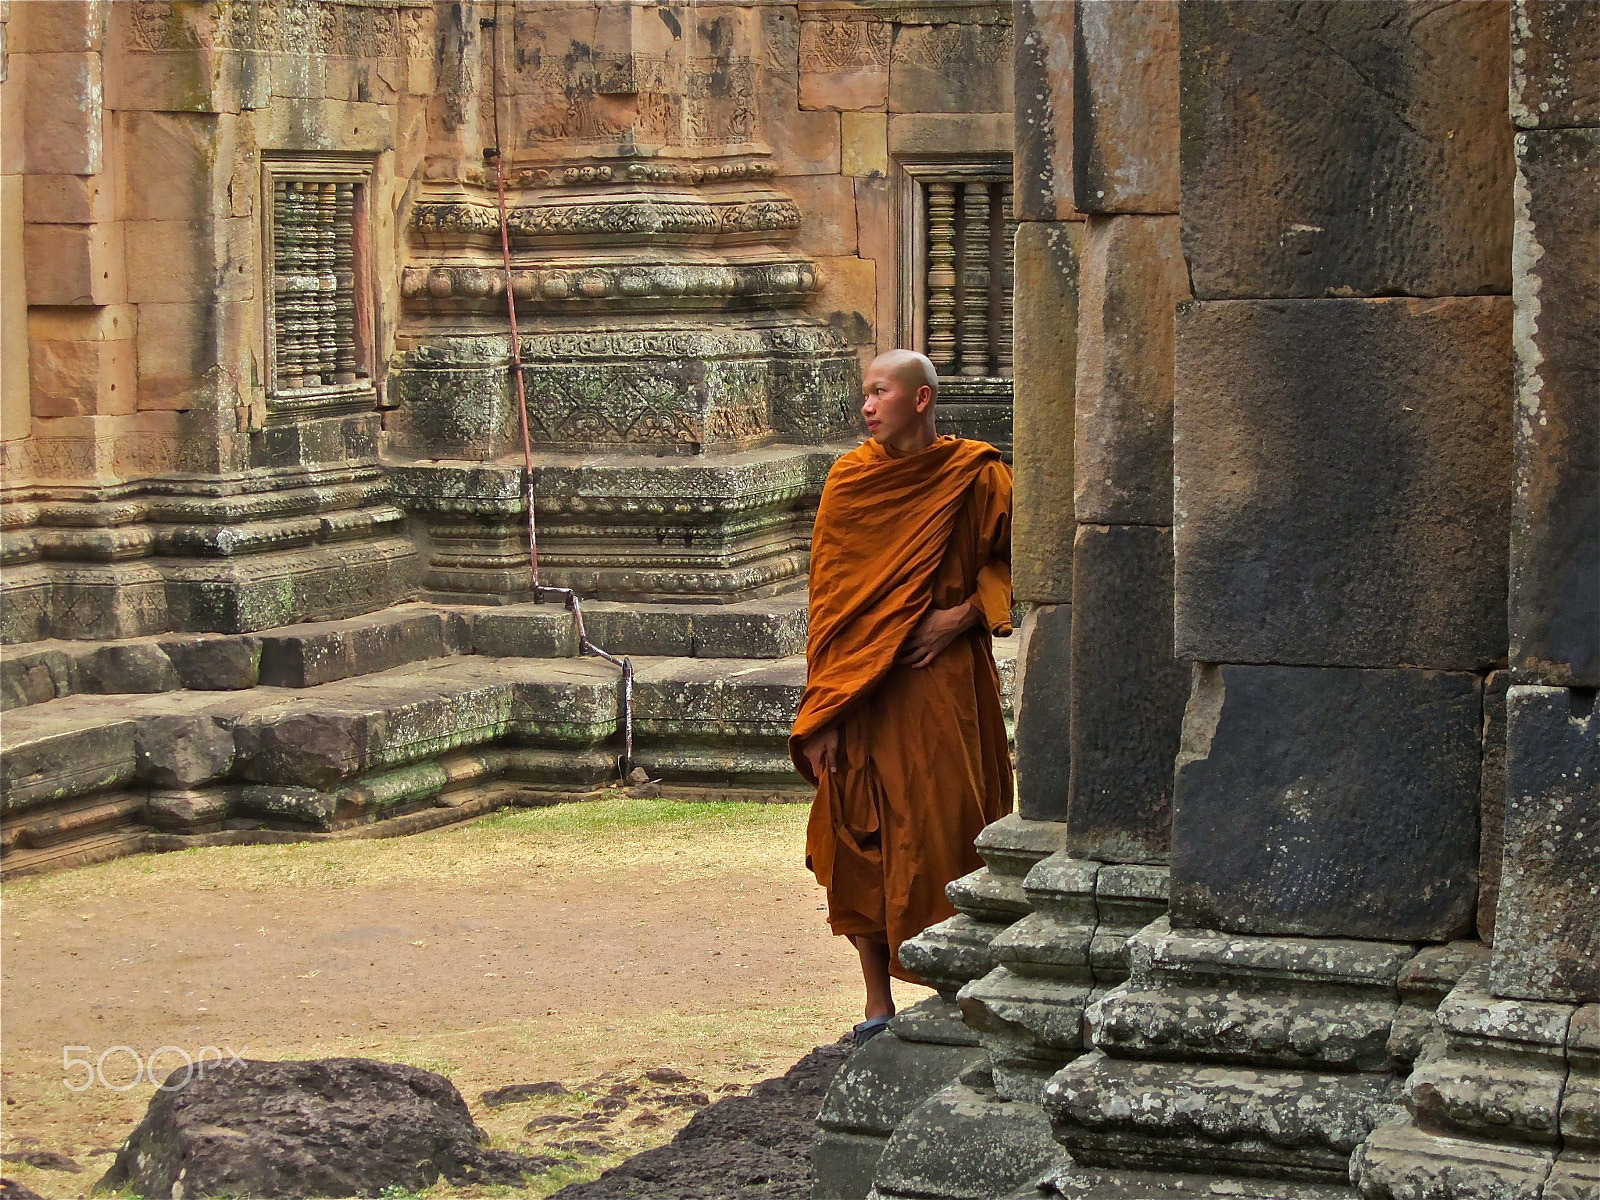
x=924, y=764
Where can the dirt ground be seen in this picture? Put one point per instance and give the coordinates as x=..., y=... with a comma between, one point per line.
x=585, y=944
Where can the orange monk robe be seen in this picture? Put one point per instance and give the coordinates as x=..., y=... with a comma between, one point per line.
x=923, y=758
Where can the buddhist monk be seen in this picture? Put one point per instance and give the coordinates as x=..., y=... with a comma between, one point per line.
x=900, y=727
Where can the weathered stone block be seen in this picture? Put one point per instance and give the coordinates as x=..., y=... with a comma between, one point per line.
x=307, y=655
x=1328, y=803
x=534, y=631
x=1491, y=801
x=1133, y=276
x=1345, y=149
x=1174, y=1116
x=75, y=264
x=1555, y=63
x=954, y=67
x=177, y=752
x=1342, y=491
x=1547, y=926
x=1044, y=695
x=215, y=664
x=888, y=1078
x=126, y=667
x=29, y=677
x=1125, y=114
x=63, y=132
x=1047, y=267
x=952, y=953
x=844, y=63
x=1399, y=1162
x=774, y=628
x=1555, y=524
x=1128, y=693
x=1043, y=115
x=864, y=150
x=842, y=1164
x=186, y=811
x=966, y=1143
x=54, y=764
x=935, y=133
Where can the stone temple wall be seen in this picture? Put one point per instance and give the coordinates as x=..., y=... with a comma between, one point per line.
x=1301, y=896
x=257, y=364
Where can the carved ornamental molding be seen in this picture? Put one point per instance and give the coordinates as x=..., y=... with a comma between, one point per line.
x=632, y=216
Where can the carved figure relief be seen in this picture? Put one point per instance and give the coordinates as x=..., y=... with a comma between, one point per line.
x=354, y=28
x=829, y=45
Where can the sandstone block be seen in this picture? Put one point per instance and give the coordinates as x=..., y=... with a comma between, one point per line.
x=63, y=133
x=215, y=663
x=1575, y=1176
x=1125, y=113
x=848, y=299
x=320, y=748
x=656, y=629
x=1133, y=276
x=533, y=631
x=182, y=751
x=953, y=67
x=1547, y=926
x=1491, y=801
x=936, y=133
x=1555, y=524
x=864, y=144
x=1555, y=63
x=1174, y=1116
x=1047, y=270
x=844, y=64
x=1128, y=694
x=1044, y=694
x=1328, y=803
x=166, y=163
x=75, y=264
x=1342, y=494
x=55, y=763
x=186, y=811
x=126, y=667
x=885, y=1082
x=169, y=262
x=1400, y=1161
x=177, y=353
x=1044, y=106
x=828, y=205
x=301, y=656
x=29, y=678
x=773, y=628
x=967, y=1143
x=58, y=26
x=1296, y=116
x=67, y=199
x=82, y=378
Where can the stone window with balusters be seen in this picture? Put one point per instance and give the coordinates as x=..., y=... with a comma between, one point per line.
x=319, y=309
x=957, y=251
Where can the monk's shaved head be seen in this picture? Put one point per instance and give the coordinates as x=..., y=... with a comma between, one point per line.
x=914, y=369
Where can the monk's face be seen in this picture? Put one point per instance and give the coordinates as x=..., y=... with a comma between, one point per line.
x=893, y=402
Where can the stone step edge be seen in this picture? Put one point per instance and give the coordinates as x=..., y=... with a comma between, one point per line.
x=309, y=654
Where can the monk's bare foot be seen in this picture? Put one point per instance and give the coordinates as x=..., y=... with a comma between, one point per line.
x=875, y=974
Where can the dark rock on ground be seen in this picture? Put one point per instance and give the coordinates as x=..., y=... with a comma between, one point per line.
x=330, y=1127
x=10, y=1189
x=45, y=1160
x=755, y=1146
x=523, y=1091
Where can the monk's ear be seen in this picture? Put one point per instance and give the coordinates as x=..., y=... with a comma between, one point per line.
x=924, y=398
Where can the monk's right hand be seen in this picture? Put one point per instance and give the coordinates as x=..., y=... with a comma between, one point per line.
x=822, y=752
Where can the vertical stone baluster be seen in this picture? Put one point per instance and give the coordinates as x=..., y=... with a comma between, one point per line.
x=282, y=268
x=942, y=275
x=975, y=280
x=345, y=282
x=327, y=283
x=291, y=232
x=1008, y=275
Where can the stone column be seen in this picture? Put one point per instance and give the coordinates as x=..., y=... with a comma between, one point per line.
x=1506, y=1098
x=1341, y=467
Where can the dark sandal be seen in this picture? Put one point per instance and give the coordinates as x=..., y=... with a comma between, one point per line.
x=867, y=1030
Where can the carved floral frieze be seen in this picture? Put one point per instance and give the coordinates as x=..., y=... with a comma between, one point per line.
x=633, y=285
x=344, y=28
x=650, y=216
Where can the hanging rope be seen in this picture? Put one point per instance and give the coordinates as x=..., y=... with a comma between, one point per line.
x=541, y=592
